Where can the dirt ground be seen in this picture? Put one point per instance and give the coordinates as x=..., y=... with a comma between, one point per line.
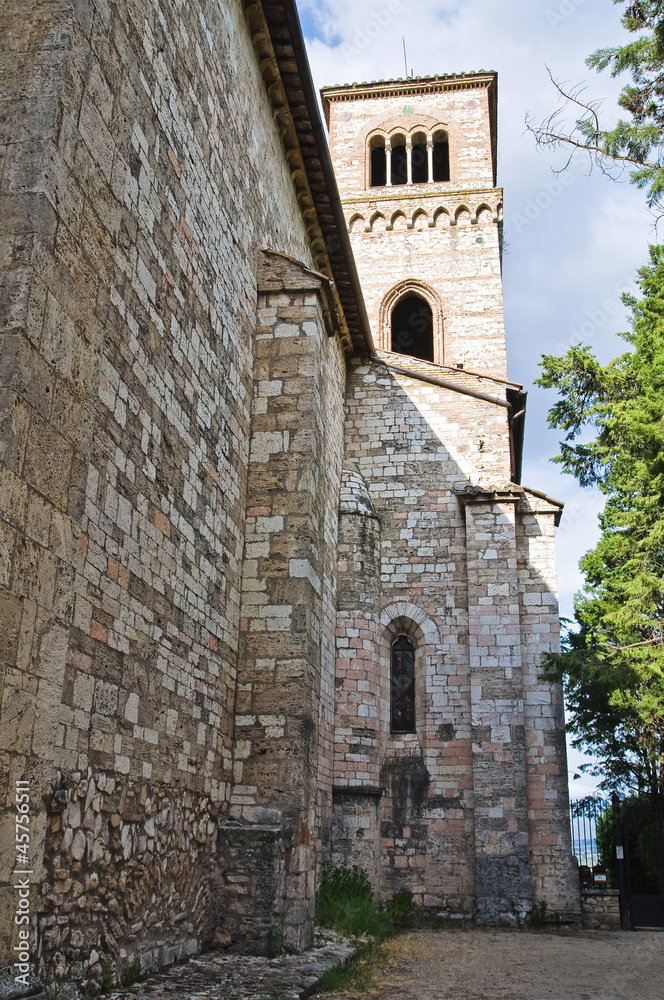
x=503, y=965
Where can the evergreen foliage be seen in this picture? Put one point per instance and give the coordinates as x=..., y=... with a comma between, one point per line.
x=636, y=142
x=612, y=668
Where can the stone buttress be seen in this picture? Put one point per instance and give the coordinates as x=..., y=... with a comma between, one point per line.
x=286, y=661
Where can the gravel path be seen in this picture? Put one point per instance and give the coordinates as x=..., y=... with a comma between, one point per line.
x=503, y=965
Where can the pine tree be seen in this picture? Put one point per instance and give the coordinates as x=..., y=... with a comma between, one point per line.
x=613, y=666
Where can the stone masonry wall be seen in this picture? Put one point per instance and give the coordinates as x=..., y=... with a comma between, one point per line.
x=472, y=805
x=282, y=768
x=600, y=909
x=554, y=879
x=140, y=168
x=412, y=444
x=498, y=729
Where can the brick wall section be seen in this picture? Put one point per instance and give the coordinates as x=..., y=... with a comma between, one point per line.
x=289, y=578
x=359, y=684
x=360, y=681
x=140, y=167
x=413, y=443
x=499, y=768
x=462, y=820
x=554, y=880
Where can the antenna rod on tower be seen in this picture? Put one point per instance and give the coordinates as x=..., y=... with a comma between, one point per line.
x=405, y=59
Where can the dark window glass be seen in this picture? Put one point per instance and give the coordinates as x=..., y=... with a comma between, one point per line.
x=399, y=165
x=441, y=161
x=420, y=163
x=412, y=328
x=378, y=167
x=403, y=685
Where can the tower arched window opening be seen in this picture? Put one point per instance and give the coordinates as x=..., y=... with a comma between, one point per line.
x=402, y=686
x=441, y=157
x=420, y=159
x=399, y=160
x=378, y=163
x=412, y=328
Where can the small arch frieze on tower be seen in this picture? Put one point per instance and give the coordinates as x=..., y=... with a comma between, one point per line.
x=420, y=220
x=441, y=217
x=356, y=223
x=377, y=223
x=398, y=221
x=461, y=216
x=423, y=218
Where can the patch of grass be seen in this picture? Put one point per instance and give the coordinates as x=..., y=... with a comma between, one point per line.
x=538, y=915
x=132, y=973
x=56, y=990
x=345, y=903
x=275, y=942
x=357, y=975
x=107, y=976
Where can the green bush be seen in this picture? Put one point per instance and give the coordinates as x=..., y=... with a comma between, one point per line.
x=345, y=903
x=401, y=906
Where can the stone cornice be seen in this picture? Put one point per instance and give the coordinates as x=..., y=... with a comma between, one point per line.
x=404, y=88
x=279, y=272
x=470, y=494
x=420, y=192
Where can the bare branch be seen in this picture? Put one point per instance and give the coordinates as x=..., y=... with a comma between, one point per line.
x=553, y=132
x=635, y=645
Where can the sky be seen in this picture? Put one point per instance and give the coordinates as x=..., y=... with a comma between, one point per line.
x=572, y=248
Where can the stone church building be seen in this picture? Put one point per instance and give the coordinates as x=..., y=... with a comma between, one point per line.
x=272, y=594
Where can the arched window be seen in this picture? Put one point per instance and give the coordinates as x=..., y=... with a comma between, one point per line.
x=412, y=328
x=441, y=157
x=399, y=160
x=420, y=165
x=378, y=162
x=402, y=686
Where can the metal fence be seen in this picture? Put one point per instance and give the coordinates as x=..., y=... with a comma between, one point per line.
x=584, y=816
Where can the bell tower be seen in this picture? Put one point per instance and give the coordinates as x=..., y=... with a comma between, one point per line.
x=415, y=162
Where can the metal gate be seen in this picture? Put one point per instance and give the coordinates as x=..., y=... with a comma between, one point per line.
x=639, y=828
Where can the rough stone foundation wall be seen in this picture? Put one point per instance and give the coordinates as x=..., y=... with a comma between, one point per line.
x=600, y=909
x=131, y=874
x=141, y=168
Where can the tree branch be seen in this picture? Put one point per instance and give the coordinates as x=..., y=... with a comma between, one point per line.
x=549, y=132
x=635, y=645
